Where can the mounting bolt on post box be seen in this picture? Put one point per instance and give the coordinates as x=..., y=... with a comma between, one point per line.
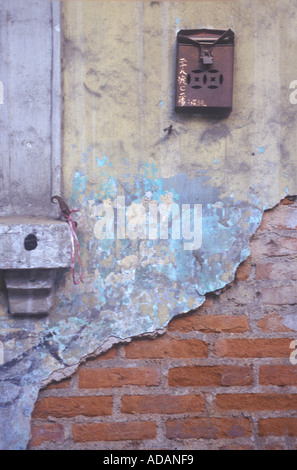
x=204, y=72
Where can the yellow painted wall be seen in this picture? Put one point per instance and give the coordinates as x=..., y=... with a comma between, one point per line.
x=119, y=66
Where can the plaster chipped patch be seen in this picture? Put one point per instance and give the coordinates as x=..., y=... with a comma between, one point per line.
x=129, y=262
x=155, y=255
x=122, y=278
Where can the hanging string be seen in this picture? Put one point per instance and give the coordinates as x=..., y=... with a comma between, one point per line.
x=74, y=241
x=66, y=212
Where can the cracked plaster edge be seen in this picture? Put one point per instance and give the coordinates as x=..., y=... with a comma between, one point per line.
x=112, y=340
x=67, y=372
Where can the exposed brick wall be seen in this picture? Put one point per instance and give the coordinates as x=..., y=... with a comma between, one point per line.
x=220, y=378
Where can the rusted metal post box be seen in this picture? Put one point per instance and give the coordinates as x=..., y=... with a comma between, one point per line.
x=204, y=71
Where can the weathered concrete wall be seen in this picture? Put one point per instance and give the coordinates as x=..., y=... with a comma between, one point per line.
x=119, y=64
x=29, y=116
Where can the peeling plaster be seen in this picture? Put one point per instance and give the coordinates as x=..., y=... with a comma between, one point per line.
x=114, y=145
x=131, y=287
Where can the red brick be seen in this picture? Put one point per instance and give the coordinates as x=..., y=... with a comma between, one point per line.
x=207, y=303
x=279, y=270
x=272, y=322
x=211, y=324
x=282, y=217
x=46, y=432
x=272, y=447
x=277, y=427
x=277, y=246
x=207, y=428
x=256, y=401
x=119, y=431
x=165, y=347
x=237, y=375
x=237, y=447
x=108, y=355
x=163, y=404
x=244, y=271
x=279, y=295
x=117, y=377
x=193, y=376
x=58, y=385
x=66, y=407
x=278, y=375
x=261, y=347
x=286, y=201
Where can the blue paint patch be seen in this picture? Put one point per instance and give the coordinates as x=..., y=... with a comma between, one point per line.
x=79, y=182
x=261, y=149
x=110, y=187
x=216, y=161
x=161, y=103
x=222, y=239
x=102, y=162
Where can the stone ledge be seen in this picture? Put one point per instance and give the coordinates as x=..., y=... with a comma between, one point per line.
x=52, y=240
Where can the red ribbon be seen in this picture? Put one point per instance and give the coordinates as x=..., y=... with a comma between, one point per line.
x=74, y=241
